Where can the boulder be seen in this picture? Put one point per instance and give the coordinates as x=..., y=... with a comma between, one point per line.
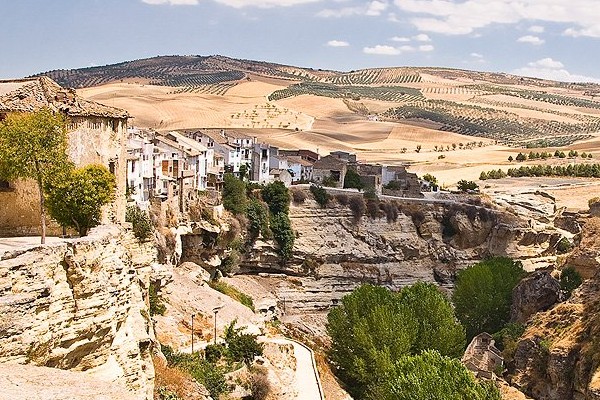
x=537, y=292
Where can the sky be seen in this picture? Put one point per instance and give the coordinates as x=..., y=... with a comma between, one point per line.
x=553, y=39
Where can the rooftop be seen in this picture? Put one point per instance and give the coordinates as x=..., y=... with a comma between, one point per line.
x=31, y=94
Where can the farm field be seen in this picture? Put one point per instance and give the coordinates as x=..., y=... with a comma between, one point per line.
x=461, y=122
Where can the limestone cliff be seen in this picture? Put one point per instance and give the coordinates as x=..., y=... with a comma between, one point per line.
x=81, y=305
x=558, y=357
x=334, y=252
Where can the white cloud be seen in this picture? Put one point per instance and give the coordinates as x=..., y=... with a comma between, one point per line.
x=476, y=55
x=337, y=43
x=426, y=48
x=372, y=9
x=534, y=40
x=382, y=50
x=422, y=37
x=537, y=29
x=400, y=39
x=375, y=8
x=172, y=2
x=547, y=68
x=453, y=17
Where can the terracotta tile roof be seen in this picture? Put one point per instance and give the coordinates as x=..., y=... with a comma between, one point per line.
x=27, y=95
x=298, y=160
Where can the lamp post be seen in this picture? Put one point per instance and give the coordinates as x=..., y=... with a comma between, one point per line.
x=193, y=315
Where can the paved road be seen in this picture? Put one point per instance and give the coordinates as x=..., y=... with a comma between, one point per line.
x=307, y=376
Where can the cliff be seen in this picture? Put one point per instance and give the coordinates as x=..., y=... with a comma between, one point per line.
x=80, y=305
x=558, y=357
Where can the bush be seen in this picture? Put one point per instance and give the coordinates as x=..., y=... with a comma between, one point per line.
x=390, y=210
x=352, y=180
x=241, y=346
x=465, y=186
x=373, y=208
x=320, y=195
x=157, y=306
x=329, y=182
x=234, y=194
x=569, y=280
x=483, y=294
x=214, y=352
x=258, y=384
x=277, y=197
x=298, y=196
x=258, y=220
x=232, y=292
x=230, y=263
x=283, y=235
x=563, y=245
x=507, y=340
x=358, y=207
x=342, y=199
x=140, y=220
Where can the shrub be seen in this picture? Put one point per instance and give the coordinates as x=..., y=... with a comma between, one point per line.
x=277, y=197
x=569, y=280
x=140, y=220
x=358, y=207
x=342, y=199
x=352, y=180
x=214, y=352
x=393, y=185
x=507, y=340
x=230, y=263
x=232, y=292
x=373, y=208
x=390, y=210
x=329, y=182
x=563, y=245
x=241, y=346
x=298, y=196
x=234, y=194
x=483, y=294
x=157, y=306
x=258, y=384
x=283, y=235
x=320, y=195
x=258, y=220
x=465, y=186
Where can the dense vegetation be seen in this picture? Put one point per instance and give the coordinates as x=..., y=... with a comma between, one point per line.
x=140, y=222
x=483, y=294
x=386, y=93
x=372, y=328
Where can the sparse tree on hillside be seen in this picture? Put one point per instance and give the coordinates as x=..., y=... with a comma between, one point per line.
x=34, y=146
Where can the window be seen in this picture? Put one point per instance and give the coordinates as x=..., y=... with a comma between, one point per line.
x=111, y=167
x=4, y=186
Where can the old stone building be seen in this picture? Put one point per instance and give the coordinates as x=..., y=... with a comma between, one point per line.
x=482, y=357
x=96, y=133
x=330, y=168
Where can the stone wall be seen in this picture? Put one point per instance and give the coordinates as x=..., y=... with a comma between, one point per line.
x=81, y=305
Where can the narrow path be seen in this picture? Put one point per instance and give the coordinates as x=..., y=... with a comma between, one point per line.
x=307, y=376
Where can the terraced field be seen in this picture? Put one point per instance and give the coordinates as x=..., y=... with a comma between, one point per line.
x=505, y=127
x=374, y=77
x=385, y=93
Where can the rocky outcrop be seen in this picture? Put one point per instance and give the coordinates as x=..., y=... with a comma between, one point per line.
x=537, y=292
x=334, y=253
x=558, y=356
x=81, y=305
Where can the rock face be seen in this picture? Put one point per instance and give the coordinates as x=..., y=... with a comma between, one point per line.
x=558, y=356
x=537, y=292
x=334, y=253
x=81, y=305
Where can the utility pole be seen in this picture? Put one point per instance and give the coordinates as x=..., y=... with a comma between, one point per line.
x=216, y=310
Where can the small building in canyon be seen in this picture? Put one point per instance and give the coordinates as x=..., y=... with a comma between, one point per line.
x=96, y=134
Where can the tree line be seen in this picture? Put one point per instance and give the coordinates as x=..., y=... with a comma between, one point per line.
x=571, y=170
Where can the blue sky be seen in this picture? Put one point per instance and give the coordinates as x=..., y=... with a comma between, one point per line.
x=556, y=39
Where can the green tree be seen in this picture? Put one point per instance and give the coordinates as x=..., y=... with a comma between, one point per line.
x=241, y=346
x=283, y=234
x=140, y=221
x=75, y=198
x=34, y=146
x=483, y=294
x=431, y=179
x=369, y=330
x=352, y=180
x=258, y=219
x=430, y=375
x=373, y=327
x=320, y=194
x=277, y=196
x=437, y=326
x=569, y=280
x=234, y=194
